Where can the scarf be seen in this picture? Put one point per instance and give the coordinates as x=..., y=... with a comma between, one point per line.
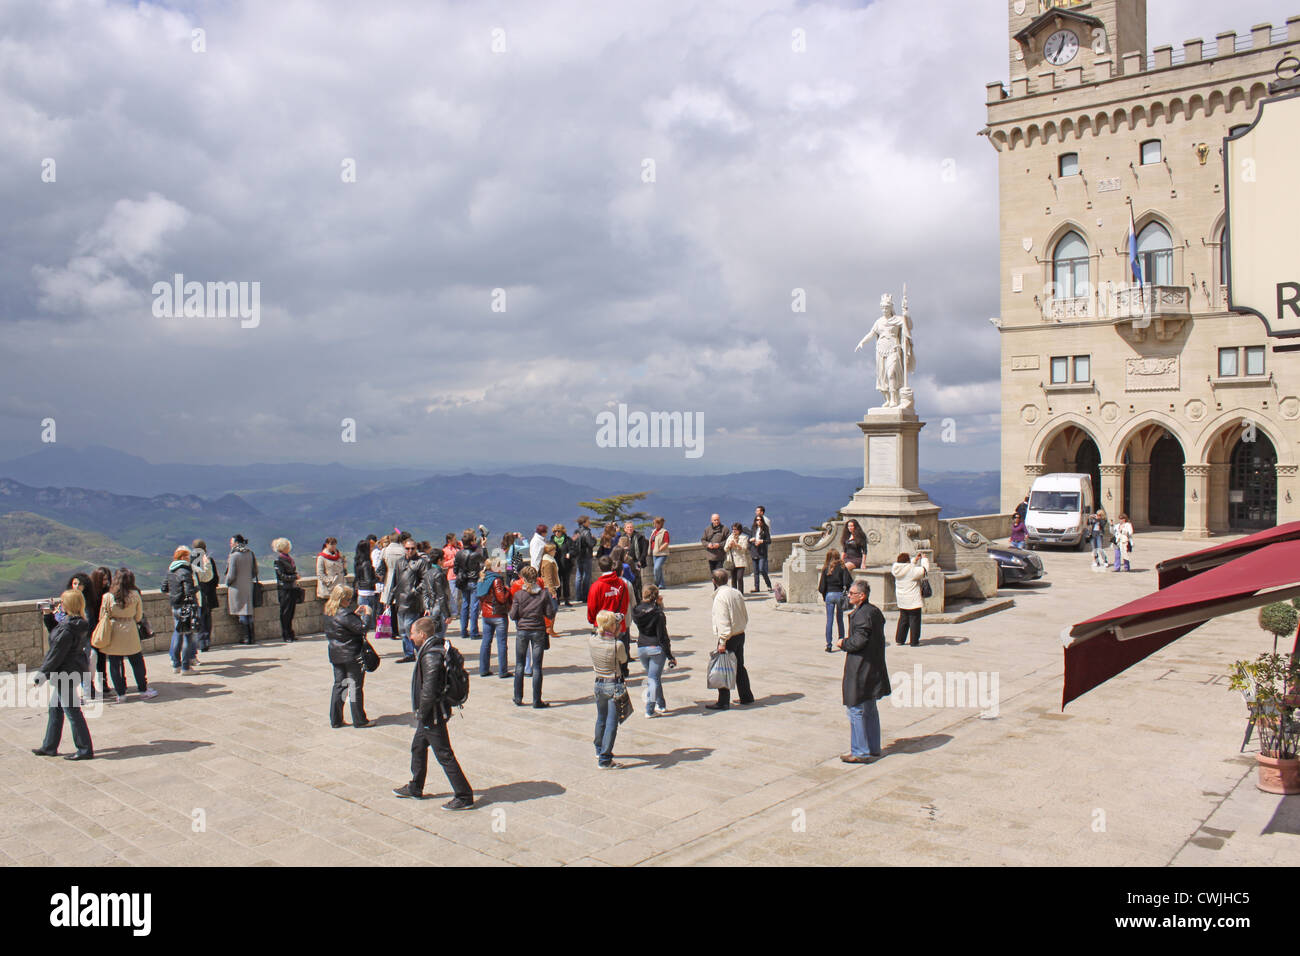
x=483, y=587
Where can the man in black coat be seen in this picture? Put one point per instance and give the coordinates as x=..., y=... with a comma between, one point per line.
x=428, y=682
x=406, y=596
x=865, y=677
x=638, y=556
x=585, y=550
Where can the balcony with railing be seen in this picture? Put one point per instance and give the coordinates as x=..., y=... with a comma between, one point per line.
x=1164, y=308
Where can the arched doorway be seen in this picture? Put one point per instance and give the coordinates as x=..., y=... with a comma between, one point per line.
x=1166, y=483
x=1074, y=450
x=1252, y=484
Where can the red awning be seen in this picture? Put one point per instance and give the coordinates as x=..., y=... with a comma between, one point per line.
x=1101, y=647
x=1178, y=569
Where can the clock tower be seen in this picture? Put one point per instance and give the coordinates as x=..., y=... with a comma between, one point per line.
x=1057, y=35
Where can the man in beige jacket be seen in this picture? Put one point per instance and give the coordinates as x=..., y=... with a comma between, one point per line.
x=729, y=621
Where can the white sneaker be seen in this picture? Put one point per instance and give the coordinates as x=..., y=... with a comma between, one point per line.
x=145, y=695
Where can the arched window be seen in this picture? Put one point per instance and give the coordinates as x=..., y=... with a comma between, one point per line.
x=1151, y=153
x=1156, y=253
x=1070, y=267
x=1068, y=164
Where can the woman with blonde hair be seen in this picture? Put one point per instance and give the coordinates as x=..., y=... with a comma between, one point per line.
x=124, y=609
x=288, y=592
x=345, y=633
x=608, y=658
x=65, y=663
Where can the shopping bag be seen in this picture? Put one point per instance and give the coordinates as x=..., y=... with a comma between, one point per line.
x=722, y=670
x=384, y=626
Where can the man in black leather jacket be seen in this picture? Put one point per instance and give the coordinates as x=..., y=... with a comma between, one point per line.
x=435, y=594
x=428, y=681
x=407, y=598
x=584, y=550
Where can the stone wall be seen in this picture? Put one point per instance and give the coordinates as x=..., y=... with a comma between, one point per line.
x=23, y=636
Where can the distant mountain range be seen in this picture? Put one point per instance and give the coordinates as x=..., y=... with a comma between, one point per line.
x=94, y=500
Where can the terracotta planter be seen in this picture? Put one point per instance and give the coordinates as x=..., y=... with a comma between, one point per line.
x=1277, y=775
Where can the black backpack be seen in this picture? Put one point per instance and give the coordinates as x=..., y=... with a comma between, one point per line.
x=456, y=690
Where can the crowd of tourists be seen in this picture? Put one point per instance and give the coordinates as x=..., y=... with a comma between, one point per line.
x=408, y=589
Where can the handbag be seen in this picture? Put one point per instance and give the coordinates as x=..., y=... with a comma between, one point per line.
x=259, y=595
x=722, y=670
x=622, y=702
x=384, y=626
x=99, y=637
x=299, y=595
x=926, y=590
x=369, y=657
x=145, y=631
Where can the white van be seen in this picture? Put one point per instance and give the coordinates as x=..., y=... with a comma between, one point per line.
x=1059, y=506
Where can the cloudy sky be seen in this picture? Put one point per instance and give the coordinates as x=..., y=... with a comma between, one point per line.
x=502, y=146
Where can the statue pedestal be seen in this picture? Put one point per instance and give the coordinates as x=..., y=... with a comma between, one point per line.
x=891, y=508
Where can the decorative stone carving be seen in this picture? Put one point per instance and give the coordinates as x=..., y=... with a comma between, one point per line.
x=1289, y=408
x=894, y=355
x=1150, y=374
x=1033, y=471
x=873, y=536
x=1285, y=471
x=1112, y=471
x=1196, y=471
x=1194, y=410
x=1029, y=414
x=1109, y=413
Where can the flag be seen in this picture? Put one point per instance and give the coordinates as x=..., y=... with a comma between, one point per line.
x=1134, y=263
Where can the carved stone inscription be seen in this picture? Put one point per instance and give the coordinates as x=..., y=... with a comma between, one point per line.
x=882, y=461
x=1151, y=374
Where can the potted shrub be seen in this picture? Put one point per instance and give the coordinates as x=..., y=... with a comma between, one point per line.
x=1269, y=682
x=1279, y=620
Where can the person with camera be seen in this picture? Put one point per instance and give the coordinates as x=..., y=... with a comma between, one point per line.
x=345, y=633
x=909, y=572
x=179, y=587
x=64, y=666
x=468, y=565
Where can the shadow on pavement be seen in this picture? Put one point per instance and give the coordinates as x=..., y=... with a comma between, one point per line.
x=519, y=792
x=185, y=689
x=1286, y=818
x=916, y=745
x=664, y=761
x=152, y=749
x=940, y=640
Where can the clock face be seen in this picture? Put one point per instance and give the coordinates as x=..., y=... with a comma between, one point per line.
x=1060, y=48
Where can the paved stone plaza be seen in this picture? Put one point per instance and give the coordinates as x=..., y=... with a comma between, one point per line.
x=1143, y=770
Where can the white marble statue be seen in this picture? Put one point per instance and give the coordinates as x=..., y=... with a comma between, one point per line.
x=894, y=355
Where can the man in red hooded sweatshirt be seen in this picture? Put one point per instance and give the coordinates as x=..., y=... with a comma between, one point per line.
x=610, y=592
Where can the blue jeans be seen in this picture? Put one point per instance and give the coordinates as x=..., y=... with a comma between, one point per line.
x=530, y=646
x=404, y=621
x=1098, y=550
x=492, y=627
x=864, y=729
x=760, y=567
x=606, y=720
x=584, y=580
x=1119, y=555
x=659, y=570
x=184, y=646
x=834, y=612
x=653, y=660
x=371, y=601
x=468, y=613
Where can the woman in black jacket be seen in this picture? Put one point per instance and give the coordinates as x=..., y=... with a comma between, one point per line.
x=653, y=647
x=345, y=633
x=65, y=663
x=93, y=595
x=853, y=543
x=365, y=579
x=179, y=587
x=833, y=585
x=286, y=579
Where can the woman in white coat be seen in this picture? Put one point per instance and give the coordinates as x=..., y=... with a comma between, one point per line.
x=1123, y=541
x=736, y=549
x=909, y=572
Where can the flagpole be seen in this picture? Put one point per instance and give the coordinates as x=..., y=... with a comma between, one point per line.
x=1132, y=228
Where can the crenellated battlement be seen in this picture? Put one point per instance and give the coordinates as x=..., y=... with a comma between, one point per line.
x=1113, y=65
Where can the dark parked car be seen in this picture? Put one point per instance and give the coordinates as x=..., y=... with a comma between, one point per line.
x=1016, y=566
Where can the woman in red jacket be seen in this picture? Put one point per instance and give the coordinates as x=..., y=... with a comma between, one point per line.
x=494, y=600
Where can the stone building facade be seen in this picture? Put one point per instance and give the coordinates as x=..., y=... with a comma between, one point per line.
x=1185, y=414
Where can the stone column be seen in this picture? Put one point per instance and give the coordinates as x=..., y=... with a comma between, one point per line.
x=1218, y=504
x=1288, y=494
x=1112, y=489
x=1196, y=486
x=1139, y=493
